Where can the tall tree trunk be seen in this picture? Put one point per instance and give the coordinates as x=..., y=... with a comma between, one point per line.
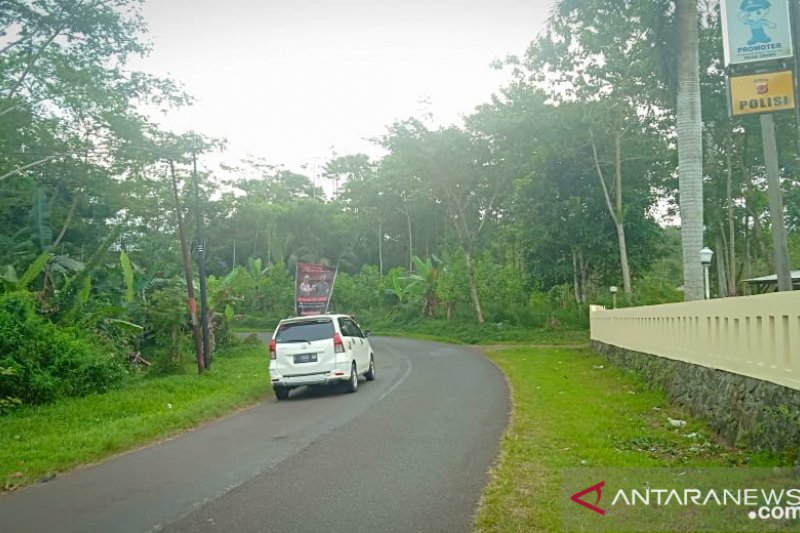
x=575, y=282
x=731, y=225
x=690, y=149
x=722, y=245
x=67, y=222
x=722, y=279
x=212, y=336
x=467, y=239
x=747, y=268
x=758, y=229
x=615, y=208
x=410, y=239
x=584, y=268
x=623, y=257
x=187, y=270
x=380, y=246
x=473, y=288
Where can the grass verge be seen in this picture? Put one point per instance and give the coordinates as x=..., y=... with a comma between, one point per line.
x=466, y=332
x=572, y=410
x=456, y=331
x=38, y=442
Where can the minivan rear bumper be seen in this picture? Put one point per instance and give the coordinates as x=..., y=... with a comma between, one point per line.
x=340, y=372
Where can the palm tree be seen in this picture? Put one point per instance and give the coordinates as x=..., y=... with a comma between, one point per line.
x=690, y=149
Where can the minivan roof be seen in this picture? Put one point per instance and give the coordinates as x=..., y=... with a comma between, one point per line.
x=314, y=317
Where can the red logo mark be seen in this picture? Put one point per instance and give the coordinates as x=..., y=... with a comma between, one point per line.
x=762, y=88
x=592, y=507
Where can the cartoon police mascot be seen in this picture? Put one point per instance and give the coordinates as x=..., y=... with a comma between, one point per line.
x=754, y=14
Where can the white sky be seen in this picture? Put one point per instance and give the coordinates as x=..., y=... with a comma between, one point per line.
x=292, y=82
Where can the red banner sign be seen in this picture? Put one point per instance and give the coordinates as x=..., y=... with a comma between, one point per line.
x=313, y=288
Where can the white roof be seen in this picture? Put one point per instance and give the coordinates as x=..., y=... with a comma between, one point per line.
x=772, y=277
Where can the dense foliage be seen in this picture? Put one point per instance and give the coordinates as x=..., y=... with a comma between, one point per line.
x=43, y=362
x=560, y=186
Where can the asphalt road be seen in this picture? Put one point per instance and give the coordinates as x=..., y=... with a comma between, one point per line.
x=409, y=452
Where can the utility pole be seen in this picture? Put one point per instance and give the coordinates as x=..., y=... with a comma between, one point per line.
x=779, y=240
x=794, y=19
x=201, y=261
x=187, y=269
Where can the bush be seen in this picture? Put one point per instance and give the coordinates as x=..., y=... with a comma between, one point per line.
x=278, y=292
x=359, y=294
x=47, y=362
x=256, y=323
x=654, y=291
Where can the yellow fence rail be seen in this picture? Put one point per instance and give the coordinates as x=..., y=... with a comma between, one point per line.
x=756, y=336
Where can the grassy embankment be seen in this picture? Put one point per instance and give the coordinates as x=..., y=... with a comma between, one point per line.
x=572, y=410
x=38, y=442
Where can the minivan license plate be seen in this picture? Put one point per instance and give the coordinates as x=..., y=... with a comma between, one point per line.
x=305, y=358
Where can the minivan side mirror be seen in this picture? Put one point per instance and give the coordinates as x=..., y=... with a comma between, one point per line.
x=367, y=332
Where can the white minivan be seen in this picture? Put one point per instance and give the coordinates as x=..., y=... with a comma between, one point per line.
x=319, y=350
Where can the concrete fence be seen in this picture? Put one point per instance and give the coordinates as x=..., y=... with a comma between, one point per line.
x=754, y=336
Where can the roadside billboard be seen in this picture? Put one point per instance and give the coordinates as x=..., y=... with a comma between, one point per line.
x=762, y=93
x=313, y=288
x=755, y=30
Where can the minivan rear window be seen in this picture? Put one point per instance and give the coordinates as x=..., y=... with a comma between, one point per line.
x=304, y=331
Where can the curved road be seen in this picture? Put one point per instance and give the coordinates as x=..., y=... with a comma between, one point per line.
x=408, y=452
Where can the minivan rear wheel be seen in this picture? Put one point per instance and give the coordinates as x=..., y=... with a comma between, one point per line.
x=370, y=375
x=281, y=393
x=352, y=384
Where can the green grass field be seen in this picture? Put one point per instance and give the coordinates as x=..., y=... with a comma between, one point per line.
x=572, y=410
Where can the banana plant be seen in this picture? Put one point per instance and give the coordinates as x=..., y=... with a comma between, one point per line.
x=400, y=287
x=127, y=274
x=226, y=291
x=9, y=281
x=223, y=293
x=426, y=275
x=41, y=232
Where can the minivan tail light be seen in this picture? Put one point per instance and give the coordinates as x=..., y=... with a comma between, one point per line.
x=338, y=345
x=272, y=349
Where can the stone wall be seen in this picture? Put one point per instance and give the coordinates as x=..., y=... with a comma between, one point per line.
x=757, y=414
x=756, y=336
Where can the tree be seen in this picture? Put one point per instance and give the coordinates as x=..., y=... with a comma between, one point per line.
x=62, y=74
x=347, y=170
x=461, y=172
x=363, y=194
x=690, y=150
x=611, y=72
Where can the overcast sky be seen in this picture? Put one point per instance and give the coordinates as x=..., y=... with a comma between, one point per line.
x=293, y=81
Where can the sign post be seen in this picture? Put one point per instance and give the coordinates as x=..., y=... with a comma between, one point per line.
x=757, y=41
